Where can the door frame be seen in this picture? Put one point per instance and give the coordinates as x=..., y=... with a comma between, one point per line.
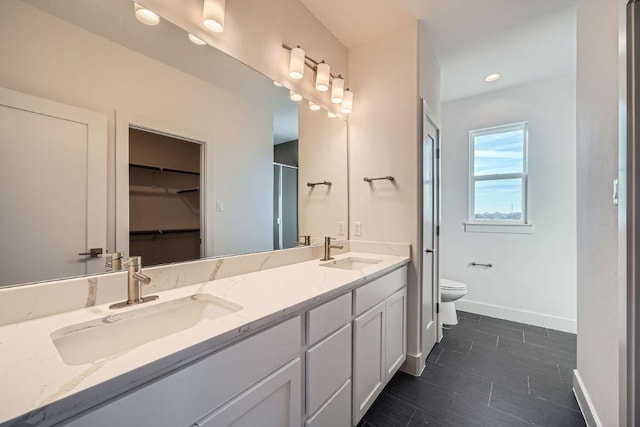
x=125, y=121
x=426, y=116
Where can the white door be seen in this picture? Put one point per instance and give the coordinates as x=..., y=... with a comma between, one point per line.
x=53, y=188
x=430, y=223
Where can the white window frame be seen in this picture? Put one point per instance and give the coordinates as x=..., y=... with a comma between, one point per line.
x=524, y=175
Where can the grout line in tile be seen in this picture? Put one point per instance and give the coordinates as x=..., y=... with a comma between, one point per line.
x=490, y=393
x=497, y=340
x=529, y=384
x=470, y=347
x=523, y=340
x=547, y=331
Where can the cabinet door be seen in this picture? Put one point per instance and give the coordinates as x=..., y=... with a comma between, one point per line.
x=273, y=402
x=369, y=373
x=336, y=412
x=395, y=332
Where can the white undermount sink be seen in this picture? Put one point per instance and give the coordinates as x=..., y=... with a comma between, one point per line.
x=97, y=339
x=352, y=263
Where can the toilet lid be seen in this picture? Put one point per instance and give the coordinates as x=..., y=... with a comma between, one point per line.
x=452, y=285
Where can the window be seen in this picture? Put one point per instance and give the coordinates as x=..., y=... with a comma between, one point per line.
x=498, y=184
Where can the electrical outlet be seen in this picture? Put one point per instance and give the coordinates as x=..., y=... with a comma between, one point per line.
x=341, y=228
x=357, y=228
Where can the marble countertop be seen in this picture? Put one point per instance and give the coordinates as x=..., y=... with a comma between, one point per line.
x=36, y=386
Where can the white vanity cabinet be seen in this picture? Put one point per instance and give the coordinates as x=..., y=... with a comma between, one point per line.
x=379, y=338
x=232, y=384
x=328, y=364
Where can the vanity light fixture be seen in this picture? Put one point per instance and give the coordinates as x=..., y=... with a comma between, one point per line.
x=213, y=15
x=337, y=90
x=145, y=15
x=492, y=77
x=296, y=63
x=313, y=107
x=295, y=96
x=323, y=75
x=347, y=102
x=196, y=40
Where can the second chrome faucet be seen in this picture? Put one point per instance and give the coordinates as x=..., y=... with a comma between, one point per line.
x=135, y=280
x=327, y=248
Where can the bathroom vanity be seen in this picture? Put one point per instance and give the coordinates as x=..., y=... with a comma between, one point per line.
x=306, y=343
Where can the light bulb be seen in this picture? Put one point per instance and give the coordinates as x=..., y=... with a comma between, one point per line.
x=313, y=107
x=146, y=16
x=196, y=40
x=213, y=15
x=296, y=64
x=492, y=77
x=337, y=90
x=323, y=74
x=347, y=102
x=294, y=96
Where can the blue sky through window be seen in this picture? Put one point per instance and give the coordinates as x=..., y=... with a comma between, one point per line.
x=494, y=154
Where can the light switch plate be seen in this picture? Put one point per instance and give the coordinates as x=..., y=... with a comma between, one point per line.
x=219, y=206
x=340, y=228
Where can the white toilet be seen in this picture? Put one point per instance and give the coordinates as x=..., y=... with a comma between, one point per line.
x=450, y=291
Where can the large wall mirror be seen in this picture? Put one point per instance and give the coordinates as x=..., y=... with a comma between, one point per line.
x=120, y=136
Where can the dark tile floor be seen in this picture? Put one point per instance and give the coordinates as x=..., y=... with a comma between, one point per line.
x=486, y=372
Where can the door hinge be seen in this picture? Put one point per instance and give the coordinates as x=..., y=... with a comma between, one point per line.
x=437, y=153
x=437, y=308
x=437, y=230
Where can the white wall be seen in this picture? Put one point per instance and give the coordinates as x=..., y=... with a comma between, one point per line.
x=597, y=166
x=46, y=57
x=384, y=140
x=533, y=279
x=322, y=156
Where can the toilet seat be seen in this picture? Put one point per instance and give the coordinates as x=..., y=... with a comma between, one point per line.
x=452, y=285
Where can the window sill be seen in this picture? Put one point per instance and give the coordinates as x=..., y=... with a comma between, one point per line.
x=499, y=228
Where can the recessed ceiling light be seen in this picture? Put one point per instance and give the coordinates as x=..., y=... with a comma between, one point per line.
x=492, y=77
x=295, y=96
x=146, y=16
x=275, y=83
x=196, y=40
x=313, y=107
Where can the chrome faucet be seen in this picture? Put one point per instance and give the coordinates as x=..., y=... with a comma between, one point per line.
x=135, y=280
x=327, y=249
x=305, y=242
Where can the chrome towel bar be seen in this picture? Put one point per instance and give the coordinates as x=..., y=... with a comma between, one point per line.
x=313, y=184
x=388, y=177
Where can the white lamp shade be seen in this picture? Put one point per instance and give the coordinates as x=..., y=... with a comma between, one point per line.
x=196, y=40
x=146, y=16
x=313, y=107
x=337, y=90
x=295, y=96
x=323, y=74
x=213, y=15
x=296, y=65
x=347, y=102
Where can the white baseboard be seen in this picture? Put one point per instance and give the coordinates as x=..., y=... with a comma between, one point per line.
x=522, y=316
x=586, y=406
x=413, y=365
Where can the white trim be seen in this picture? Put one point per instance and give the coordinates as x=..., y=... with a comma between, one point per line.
x=126, y=120
x=515, y=315
x=498, y=228
x=523, y=175
x=414, y=364
x=584, y=401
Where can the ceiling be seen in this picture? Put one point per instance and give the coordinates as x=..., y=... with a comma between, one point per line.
x=525, y=40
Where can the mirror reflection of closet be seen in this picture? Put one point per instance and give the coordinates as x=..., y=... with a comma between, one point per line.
x=164, y=197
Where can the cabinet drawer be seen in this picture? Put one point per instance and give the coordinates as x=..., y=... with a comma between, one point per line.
x=327, y=318
x=273, y=402
x=380, y=289
x=182, y=397
x=336, y=412
x=328, y=367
